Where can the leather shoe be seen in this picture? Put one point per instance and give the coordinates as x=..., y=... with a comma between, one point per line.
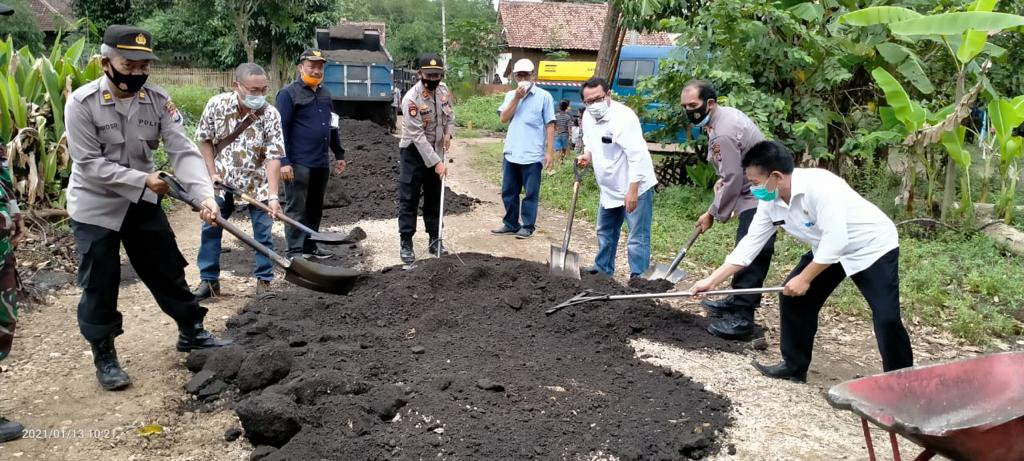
x=432, y=247
x=10, y=430
x=196, y=337
x=718, y=307
x=108, y=370
x=732, y=327
x=207, y=289
x=781, y=371
x=407, y=254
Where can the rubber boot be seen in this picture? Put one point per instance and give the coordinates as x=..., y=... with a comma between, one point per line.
x=108, y=370
x=407, y=253
x=10, y=430
x=196, y=337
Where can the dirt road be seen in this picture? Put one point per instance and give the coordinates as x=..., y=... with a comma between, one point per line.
x=48, y=383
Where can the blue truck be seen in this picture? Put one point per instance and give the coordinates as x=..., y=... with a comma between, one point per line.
x=359, y=71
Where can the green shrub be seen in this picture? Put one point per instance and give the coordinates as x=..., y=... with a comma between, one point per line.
x=191, y=100
x=480, y=112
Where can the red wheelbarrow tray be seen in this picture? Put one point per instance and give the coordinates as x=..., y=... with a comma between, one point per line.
x=971, y=409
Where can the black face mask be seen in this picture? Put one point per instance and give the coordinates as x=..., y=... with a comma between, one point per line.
x=129, y=83
x=431, y=84
x=696, y=116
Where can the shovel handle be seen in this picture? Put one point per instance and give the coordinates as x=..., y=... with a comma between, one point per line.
x=572, y=207
x=682, y=252
x=688, y=294
x=258, y=204
x=177, y=191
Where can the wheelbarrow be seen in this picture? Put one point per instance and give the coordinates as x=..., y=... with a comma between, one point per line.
x=971, y=409
x=328, y=238
x=306, y=274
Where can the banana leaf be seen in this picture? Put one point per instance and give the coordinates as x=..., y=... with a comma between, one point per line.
x=74, y=54
x=32, y=86
x=878, y=15
x=957, y=23
x=19, y=111
x=973, y=40
x=908, y=65
x=907, y=111
x=6, y=124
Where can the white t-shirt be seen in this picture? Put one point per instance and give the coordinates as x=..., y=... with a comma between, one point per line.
x=624, y=160
x=827, y=214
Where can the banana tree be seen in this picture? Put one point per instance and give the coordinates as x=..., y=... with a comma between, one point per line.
x=964, y=34
x=1007, y=114
x=33, y=91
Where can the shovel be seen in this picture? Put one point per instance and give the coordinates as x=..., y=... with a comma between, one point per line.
x=328, y=238
x=563, y=262
x=591, y=296
x=671, y=272
x=307, y=274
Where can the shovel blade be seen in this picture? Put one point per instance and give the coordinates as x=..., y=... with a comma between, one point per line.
x=333, y=238
x=661, y=272
x=318, y=277
x=564, y=263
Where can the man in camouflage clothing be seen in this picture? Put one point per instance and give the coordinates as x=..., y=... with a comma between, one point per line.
x=12, y=230
x=250, y=161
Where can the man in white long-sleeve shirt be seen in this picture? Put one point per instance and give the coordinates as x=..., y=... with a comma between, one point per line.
x=849, y=237
x=614, y=142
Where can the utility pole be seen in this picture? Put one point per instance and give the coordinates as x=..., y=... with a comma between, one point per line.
x=444, y=34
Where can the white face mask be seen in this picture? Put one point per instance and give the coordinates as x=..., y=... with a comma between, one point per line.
x=526, y=84
x=255, y=102
x=598, y=109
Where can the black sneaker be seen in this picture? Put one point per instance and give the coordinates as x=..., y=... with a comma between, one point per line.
x=504, y=230
x=733, y=327
x=318, y=253
x=719, y=307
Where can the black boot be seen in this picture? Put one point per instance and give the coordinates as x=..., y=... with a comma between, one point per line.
x=207, y=289
x=435, y=244
x=733, y=326
x=108, y=370
x=407, y=254
x=196, y=337
x=782, y=371
x=719, y=308
x=10, y=430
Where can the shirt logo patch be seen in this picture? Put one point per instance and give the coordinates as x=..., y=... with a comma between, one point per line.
x=173, y=112
x=107, y=96
x=140, y=39
x=413, y=110
x=717, y=150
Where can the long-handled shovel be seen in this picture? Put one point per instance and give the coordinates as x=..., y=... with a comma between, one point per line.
x=440, y=215
x=591, y=296
x=317, y=277
x=563, y=262
x=671, y=272
x=327, y=238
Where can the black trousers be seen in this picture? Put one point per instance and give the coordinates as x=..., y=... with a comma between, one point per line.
x=305, y=203
x=753, y=275
x=880, y=285
x=415, y=180
x=153, y=252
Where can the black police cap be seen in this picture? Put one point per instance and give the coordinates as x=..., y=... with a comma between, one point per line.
x=431, y=62
x=312, y=54
x=134, y=43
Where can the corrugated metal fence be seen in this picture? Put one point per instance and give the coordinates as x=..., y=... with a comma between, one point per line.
x=182, y=76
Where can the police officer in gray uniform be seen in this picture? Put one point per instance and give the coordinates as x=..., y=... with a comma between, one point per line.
x=426, y=133
x=113, y=125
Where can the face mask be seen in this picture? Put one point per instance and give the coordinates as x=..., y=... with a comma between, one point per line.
x=255, y=102
x=311, y=81
x=761, y=192
x=431, y=84
x=528, y=85
x=598, y=109
x=129, y=83
x=699, y=116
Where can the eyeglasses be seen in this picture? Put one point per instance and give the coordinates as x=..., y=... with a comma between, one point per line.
x=595, y=100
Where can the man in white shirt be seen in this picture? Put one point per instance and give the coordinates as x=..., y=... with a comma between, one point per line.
x=614, y=142
x=848, y=235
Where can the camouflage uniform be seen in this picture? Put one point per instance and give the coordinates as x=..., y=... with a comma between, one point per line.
x=9, y=215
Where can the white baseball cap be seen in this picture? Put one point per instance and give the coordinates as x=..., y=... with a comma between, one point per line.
x=523, y=65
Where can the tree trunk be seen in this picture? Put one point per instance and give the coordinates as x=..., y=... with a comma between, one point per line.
x=609, y=40
x=949, y=188
x=275, y=67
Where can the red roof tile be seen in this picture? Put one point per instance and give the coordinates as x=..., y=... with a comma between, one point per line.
x=562, y=25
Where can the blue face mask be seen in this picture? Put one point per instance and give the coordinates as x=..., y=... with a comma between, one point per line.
x=761, y=192
x=255, y=102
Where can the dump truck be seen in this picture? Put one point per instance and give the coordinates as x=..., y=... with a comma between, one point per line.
x=359, y=71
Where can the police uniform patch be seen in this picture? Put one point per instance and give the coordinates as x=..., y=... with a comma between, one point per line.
x=717, y=150
x=142, y=95
x=107, y=96
x=413, y=110
x=173, y=112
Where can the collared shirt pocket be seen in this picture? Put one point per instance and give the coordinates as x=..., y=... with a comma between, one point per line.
x=111, y=143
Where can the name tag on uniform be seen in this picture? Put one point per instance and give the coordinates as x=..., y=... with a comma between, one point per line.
x=779, y=223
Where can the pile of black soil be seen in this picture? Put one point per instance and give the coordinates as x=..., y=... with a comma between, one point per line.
x=456, y=360
x=369, y=187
